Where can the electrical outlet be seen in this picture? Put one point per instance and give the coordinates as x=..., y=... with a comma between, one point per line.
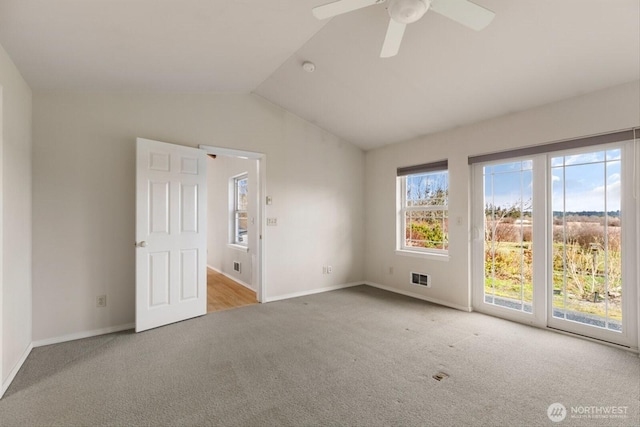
x=329, y=269
x=101, y=301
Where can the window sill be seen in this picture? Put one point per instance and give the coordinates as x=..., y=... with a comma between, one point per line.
x=237, y=247
x=426, y=255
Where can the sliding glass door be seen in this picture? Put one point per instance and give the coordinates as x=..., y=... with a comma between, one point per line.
x=553, y=241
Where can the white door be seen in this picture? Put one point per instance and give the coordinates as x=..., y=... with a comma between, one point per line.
x=171, y=200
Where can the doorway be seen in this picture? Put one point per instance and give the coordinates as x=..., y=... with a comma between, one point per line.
x=551, y=246
x=235, y=182
x=224, y=293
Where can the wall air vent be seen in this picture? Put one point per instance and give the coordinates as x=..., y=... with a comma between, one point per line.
x=236, y=266
x=421, y=279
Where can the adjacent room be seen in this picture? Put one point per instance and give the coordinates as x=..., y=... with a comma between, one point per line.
x=317, y=212
x=232, y=240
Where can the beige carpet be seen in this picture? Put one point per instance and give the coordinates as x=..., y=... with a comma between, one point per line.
x=357, y=357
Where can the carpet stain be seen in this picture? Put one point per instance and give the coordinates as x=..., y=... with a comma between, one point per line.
x=440, y=376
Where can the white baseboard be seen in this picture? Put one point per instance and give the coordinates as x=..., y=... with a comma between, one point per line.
x=418, y=296
x=235, y=279
x=313, y=291
x=14, y=371
x=84, y=334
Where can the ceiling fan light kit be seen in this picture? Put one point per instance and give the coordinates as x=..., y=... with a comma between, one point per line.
x=407, y=11
x=404, y=12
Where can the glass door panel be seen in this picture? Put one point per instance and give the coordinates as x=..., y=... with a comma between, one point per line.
x=508, y=252
x=586, y=239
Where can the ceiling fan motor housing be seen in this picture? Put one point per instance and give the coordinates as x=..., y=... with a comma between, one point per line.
x=408, y=11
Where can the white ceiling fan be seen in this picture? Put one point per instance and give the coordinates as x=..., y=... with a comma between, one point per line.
x=403, y=12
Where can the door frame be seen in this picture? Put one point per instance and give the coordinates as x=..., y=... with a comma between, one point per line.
x=2, y=382
x=261, y=159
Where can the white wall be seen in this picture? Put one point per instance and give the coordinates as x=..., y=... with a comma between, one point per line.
x=84, y=197
x=220, y=255
x=608, y=110
x=15, y=219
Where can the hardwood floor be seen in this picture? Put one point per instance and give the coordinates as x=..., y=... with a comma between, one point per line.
x=223, y=293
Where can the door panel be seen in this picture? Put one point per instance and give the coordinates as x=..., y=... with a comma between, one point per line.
x=170, y=234
x=189, y=208
x=158, y=279
x=189, y=274
x=588, y=295
x=508, y=253
x=159, y=209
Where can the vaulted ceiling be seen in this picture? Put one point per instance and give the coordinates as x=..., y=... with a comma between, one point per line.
x=445, y=75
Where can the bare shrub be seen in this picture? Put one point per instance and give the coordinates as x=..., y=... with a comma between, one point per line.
x=583, y=260
x=582, y=233
x=509, y=232
x=506, y=233
x=588, y=233
x=613, y=222
x=614, y=239
x=578, y=264
x=499, y=231
x=509, y=264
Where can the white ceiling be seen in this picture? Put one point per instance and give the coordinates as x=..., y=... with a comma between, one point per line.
x=153, y=45
x=534, y=52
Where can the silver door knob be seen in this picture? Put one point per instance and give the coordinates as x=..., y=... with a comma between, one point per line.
x=142, y=244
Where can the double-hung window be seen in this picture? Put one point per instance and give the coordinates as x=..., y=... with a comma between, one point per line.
x=239, y=210
x=424, y=204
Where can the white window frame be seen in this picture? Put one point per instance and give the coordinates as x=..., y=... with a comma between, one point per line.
x=234, y=241
x=401, y=247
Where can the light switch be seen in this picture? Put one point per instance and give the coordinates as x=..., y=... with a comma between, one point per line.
x=272, y=222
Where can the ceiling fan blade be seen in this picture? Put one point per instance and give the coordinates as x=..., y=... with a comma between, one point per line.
x=464, y=12
x=392, y=40
x=342, y=6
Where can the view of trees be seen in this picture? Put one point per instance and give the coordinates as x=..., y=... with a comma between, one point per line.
x=508, y=252
x=426, y=221
x=584, y=274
